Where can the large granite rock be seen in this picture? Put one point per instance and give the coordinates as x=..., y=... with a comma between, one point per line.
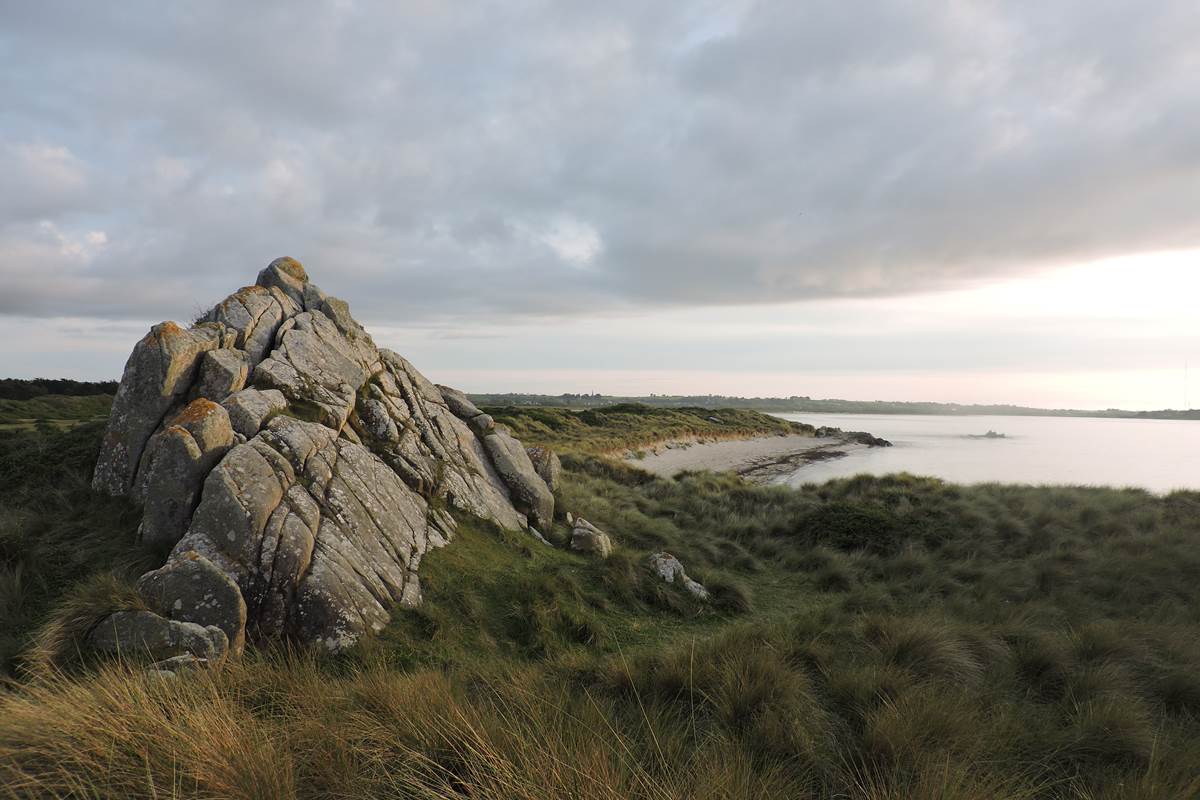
x=298, y=472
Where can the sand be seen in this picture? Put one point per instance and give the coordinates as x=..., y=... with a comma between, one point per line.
x=765, y=459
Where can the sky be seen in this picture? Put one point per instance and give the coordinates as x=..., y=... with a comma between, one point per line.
x=960, y=200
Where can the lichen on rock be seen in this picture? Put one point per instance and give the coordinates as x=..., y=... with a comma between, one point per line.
x=299, y=472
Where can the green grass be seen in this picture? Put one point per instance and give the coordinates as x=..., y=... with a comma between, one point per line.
x=57, y=411
x=891, y=637
x=631, y=426
x=55, y=533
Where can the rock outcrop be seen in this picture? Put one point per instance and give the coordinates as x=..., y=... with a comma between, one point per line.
x=856, y=437
x=298, y=472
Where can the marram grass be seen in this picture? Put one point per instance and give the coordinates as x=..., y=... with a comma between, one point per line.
x=872, y=638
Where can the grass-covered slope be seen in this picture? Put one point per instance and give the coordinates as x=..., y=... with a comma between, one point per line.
x=634, y=426
x=55, y=411
x=57, y=536
x=870, y=638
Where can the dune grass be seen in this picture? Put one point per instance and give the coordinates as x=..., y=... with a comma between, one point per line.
x=633, y=427
x=53, y=411
x=56, y=534
x=878, y=638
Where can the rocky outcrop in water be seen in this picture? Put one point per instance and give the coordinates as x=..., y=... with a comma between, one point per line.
x=298, y=472
x=856, y=437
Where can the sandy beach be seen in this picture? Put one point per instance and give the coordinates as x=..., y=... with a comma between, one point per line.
x=763, y=459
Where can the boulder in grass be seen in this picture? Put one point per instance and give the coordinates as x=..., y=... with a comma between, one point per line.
x=670, y=569
x=144, y=633
x=193, y=586
x=587, y=538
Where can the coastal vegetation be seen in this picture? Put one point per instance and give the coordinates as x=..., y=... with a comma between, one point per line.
x=893, y=637
x=633, y=426
x=57, y=411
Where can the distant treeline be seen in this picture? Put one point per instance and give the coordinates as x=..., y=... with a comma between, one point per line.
x=18, y=389
x=799, y=404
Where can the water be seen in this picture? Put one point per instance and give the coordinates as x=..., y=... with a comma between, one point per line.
x=1159, y=455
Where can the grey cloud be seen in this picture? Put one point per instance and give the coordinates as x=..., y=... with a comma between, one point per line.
x=436, y=161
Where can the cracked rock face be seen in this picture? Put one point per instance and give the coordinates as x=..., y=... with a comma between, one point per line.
x=298, y=472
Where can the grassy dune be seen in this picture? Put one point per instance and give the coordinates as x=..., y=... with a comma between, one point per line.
x=631, y=426
x=57, y=411
x=869, y=638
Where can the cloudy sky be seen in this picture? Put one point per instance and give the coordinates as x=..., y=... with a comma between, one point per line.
x=959, y=200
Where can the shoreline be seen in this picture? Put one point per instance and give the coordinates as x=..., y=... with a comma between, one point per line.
x=761, y=459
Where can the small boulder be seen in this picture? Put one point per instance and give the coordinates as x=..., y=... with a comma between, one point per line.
x=190, y=588
x=670, y=569
x=144, y=632
x=587, y=538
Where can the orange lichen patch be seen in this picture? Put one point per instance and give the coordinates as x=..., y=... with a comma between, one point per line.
x=166, y=329
x=177, y=430
x=292, y=267
x=195, y=411
x=248, y=290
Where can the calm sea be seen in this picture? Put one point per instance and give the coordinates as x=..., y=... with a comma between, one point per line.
x=1159, y=455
